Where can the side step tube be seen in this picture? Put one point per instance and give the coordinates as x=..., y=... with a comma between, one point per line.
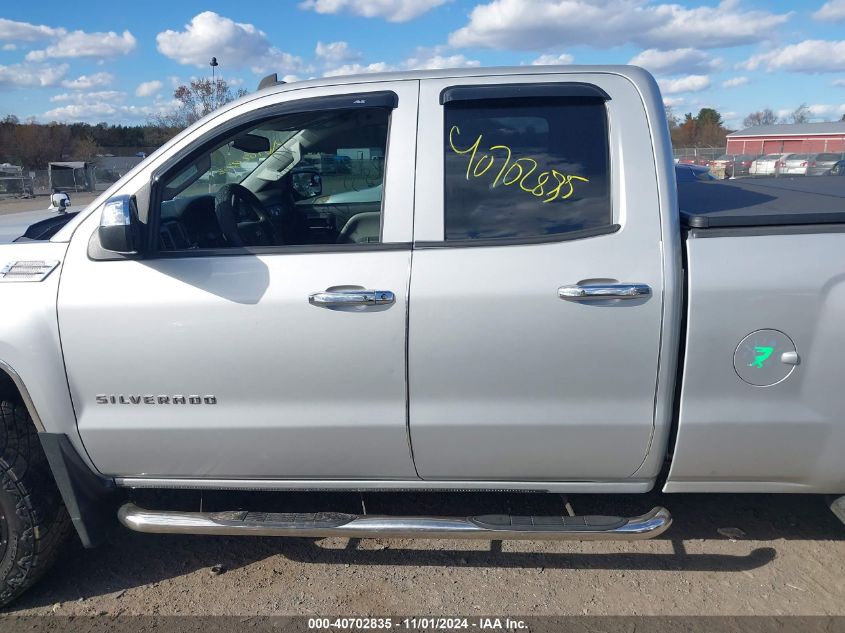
x=494, y=527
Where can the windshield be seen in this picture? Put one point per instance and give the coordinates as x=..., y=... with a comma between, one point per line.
x=228, y=164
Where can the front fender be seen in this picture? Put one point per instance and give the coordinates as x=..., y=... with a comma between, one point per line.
x=30, y=348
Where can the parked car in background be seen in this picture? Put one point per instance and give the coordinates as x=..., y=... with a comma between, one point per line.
x=820, y=164
x=838, y=169
x=794, y=164
x=689, y=173
x=693, y=160
x=730, y=165
x=766, y=165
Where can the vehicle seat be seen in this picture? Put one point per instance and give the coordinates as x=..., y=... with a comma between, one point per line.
x=361, y=228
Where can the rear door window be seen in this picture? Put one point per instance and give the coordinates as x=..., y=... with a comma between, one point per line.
x=525, y=167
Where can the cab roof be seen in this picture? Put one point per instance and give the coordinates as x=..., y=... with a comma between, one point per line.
x=634, y=73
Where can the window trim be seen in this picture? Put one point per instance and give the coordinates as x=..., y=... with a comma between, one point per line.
x=382, y=99
x=525, y=241
x=484, y=92
x=292, y=249
x=545, y=91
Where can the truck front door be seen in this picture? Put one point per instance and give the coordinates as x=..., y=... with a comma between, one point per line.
x=537, y=288
x=263, y=333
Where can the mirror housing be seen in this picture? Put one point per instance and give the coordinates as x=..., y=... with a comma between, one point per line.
x=307, y=183
x=59, y=202
x=119, y=227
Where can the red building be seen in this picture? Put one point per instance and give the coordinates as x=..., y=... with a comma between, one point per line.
x=804, y=138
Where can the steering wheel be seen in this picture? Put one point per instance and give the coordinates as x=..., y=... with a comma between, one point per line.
x=230, y=203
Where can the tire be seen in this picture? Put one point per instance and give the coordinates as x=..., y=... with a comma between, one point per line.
x=33, y=520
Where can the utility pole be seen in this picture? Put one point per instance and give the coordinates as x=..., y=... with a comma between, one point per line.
x=213, y=63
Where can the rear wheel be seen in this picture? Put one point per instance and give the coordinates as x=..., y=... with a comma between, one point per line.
x=33, y=520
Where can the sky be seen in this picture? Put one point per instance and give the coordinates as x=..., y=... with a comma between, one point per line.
x=118, y=62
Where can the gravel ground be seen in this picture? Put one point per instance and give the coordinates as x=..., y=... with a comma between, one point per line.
x=15, y=205
x=787, y=559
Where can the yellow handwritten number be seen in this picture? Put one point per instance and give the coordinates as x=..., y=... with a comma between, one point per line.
x=515, y=172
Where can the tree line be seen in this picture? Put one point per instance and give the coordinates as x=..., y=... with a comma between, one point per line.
x=33, y=145
x=706, y=129
x=766, y=116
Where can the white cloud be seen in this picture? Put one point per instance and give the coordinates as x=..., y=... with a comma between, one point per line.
x=826, y=111
x=148, y=88
x=234, y=44
x=82, y=44
x=108, y=110
x=679, y=60
x=81, y=112
x=335, y=53
x=734, y=82
x=832, y=11
x=26, y=32
x=392, y=10
x=209, y=34
x=87, y=97
x=727, y=24
x=278, y=61
x=422, y=59
x=673, y=102
x=553, y=60
x=427, y=60
x=838, y=82
x=28, y=75
x=9, y=47
x=690, y=83
x=86, y=82
x=357, y=69
x=542, y=24
x=809, y=56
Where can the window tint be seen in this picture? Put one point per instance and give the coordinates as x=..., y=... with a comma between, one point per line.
x=523, y=168
x=302, y=179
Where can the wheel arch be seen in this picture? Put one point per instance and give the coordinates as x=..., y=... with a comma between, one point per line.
x=12, y=387
x=88, y=497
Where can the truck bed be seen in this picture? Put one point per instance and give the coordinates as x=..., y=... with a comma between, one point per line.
x=770, y=270
x=760, y=202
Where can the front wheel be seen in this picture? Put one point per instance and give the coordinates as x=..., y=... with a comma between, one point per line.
x=33, y=520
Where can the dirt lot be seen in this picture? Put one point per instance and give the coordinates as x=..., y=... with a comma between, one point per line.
x=789, y=561
x=14, y=205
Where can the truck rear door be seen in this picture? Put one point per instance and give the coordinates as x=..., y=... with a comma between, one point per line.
x=537, y=283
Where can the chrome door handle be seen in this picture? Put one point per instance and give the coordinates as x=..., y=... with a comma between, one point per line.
x=597, y=292
x=335, y=298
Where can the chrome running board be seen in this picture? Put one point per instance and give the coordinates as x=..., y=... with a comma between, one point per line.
x=494, y=527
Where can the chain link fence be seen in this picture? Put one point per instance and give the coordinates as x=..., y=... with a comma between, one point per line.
x=697, y=155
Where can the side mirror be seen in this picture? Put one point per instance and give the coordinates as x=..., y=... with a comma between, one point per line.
x=119, y=230
x=59, y=202
x=307, y=183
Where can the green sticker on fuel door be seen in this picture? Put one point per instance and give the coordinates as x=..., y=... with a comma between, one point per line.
x=763, y=354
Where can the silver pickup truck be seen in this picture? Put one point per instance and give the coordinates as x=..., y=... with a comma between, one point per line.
x=447, y=280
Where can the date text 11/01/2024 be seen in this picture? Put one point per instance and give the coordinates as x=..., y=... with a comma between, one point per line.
x=418, y=623
x=516, y=172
